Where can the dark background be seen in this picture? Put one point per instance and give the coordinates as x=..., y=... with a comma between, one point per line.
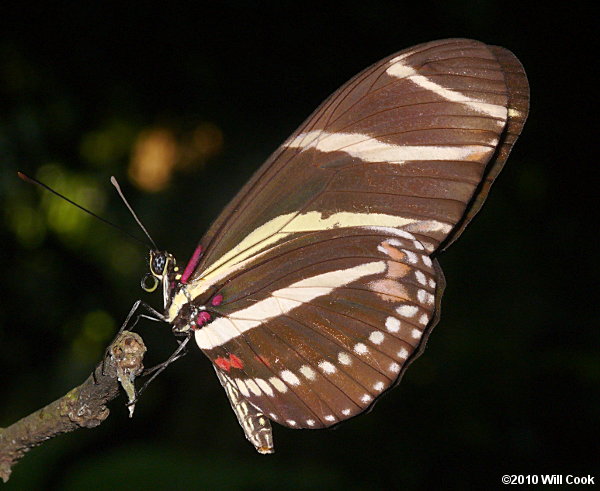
x=509, y=382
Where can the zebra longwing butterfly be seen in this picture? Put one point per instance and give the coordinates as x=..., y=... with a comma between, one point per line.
x=318, y=284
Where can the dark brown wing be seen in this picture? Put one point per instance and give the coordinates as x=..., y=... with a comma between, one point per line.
x=451, y=102
x=518, y=107
x=323, y=259
x=314, y=334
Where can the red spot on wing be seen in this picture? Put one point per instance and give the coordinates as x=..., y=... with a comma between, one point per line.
x=223, y=364
x=191, y=265
x=217, y=300
x=236, y=362
x=203, y=318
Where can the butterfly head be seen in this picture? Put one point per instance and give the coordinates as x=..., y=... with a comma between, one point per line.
x=163, y=269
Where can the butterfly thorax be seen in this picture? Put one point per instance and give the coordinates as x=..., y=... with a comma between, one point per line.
x=193, y=313
x=189, y=313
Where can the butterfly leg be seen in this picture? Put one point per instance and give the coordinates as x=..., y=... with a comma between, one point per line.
x=180, y=352
x=157, y=369
x=155, y=316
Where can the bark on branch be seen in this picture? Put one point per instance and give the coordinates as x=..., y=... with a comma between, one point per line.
x=81, y=407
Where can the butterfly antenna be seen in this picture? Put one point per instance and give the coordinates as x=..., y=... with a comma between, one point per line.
x=118, y=188
x=32, y=180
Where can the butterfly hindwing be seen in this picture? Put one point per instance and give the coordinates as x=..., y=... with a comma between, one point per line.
x=323, y=329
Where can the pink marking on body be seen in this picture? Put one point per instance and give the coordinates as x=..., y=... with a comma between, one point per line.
x=223, y=364
x=203, y=318
x=191, y=265
x=236, y=362
x=217, y=299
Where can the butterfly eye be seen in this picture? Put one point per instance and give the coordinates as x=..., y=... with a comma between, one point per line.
x=158, y=263
x=149, y=282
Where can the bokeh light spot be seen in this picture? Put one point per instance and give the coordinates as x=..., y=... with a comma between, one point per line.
x=97, y=327
x=27, y=225
x=203, y=143
x=68, y=222
x=153, y=159
x=106, y=146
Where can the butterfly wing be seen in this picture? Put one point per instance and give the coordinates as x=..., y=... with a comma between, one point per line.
x=312, y=336
x=424, y=126
x=324, y=259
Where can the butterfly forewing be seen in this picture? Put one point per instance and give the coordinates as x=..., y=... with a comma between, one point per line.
x=517, y=90
x=432, y=114
x=323, y=260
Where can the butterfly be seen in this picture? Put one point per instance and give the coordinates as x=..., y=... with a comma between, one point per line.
x=319, y=283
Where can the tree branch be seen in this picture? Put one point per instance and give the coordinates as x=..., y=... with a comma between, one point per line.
x=81, y=407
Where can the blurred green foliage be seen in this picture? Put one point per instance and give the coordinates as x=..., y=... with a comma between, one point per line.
x=509, y=382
